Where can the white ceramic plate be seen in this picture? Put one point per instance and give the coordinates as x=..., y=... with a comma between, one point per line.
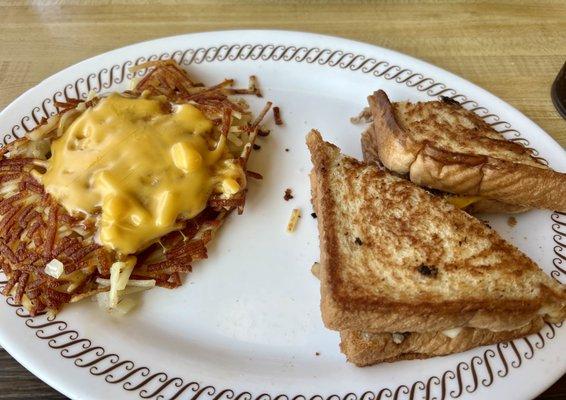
x=246, y=325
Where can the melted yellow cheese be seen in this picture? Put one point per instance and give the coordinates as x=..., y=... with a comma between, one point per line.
x=462, y=201
x=139, y=167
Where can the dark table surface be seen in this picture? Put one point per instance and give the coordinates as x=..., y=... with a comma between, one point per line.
x=18, y=383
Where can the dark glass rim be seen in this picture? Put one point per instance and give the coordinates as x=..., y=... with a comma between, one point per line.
x=558, y=92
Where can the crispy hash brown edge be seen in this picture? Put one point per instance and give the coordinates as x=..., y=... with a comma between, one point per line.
x=35, y=229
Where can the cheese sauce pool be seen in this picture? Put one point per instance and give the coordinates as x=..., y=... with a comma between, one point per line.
x=140, y=164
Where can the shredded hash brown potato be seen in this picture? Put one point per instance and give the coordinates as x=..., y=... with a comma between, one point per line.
x=38, y=235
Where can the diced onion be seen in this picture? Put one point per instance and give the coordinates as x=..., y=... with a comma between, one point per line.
x=144, y=283
x=54, y=268
x=120, y=272
x=135, y=289
x=124, y=306
x=8, y=188
x=452, y=333
x=235, y=139
x=103, y=300
x=397, y=337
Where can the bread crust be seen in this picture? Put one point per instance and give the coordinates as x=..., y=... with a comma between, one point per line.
x=365, y=349
x=520, y=184
x=339, y=315
x=482, y=206
x=396, y=142
x=344, y=309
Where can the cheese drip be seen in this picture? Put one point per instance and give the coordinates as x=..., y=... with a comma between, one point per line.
x=140, y=166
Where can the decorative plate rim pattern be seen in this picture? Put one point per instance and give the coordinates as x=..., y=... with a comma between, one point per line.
x=146, y=384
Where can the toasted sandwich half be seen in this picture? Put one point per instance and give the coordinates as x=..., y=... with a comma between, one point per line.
x=405, y=274
x=441, y=145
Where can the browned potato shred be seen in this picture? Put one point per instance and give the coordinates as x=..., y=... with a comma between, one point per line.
x=35, y=230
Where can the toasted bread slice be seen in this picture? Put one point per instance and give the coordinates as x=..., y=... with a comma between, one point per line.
x=477, y=206
x=364, y=349
x=441, y=145
x=395, y=258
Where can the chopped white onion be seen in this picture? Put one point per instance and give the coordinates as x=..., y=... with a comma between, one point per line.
x=8, y=188
x=103, y=300
x=134, y=289
x=54, y=268
x=124, y=306
x=398, y=338
x=452, y=333
x=235, y=139
x=119, y=274
x=144, y=283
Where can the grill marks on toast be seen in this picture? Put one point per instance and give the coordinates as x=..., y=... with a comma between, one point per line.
x=404, y=227
x=425, y=266
x=450, y=127
x=442, y=146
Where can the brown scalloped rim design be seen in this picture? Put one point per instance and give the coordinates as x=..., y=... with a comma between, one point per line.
x=480, y=371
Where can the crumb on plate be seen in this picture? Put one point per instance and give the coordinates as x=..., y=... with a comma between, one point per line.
x=292, y=224
x=288, y=194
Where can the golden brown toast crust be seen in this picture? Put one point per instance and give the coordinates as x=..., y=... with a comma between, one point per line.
x=445, y=147
x=391, y=217
x=484, y=205
x=365, y=349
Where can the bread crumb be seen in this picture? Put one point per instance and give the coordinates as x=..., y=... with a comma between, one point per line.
x=254, y=175
x=277, y=116
x=511, y=221
x=256, y=146
x=288, y=194
x=315, y=269
x=292, y=224
x=313, y=215
x=287, y=150
x=317, y=354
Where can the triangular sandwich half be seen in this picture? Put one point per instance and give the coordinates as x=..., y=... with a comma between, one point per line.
x=441, y=145
x=395, y=259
